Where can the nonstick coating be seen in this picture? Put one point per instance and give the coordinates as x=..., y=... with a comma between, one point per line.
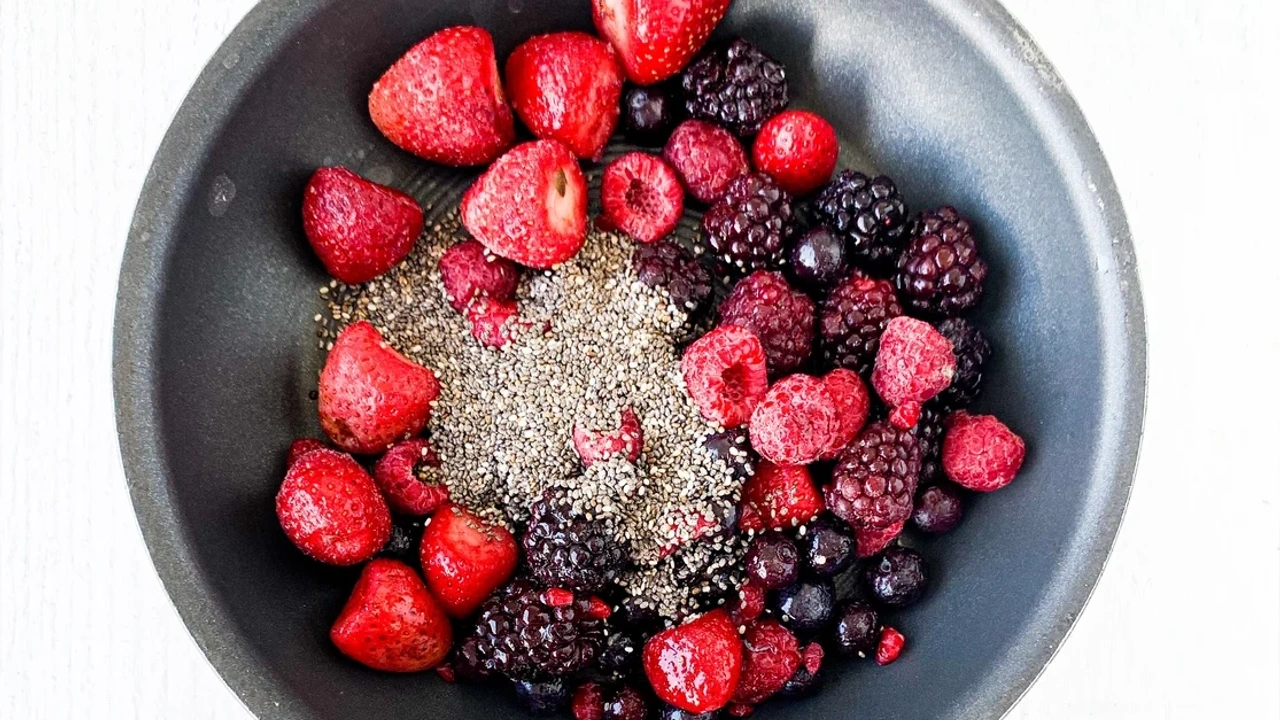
x=216, y=353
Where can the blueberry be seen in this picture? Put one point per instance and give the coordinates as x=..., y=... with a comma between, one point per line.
x=636, y=616
x=542, y=697
x=828, y=546
x=733, y=448
x=675, y=713
x=621, y=654
x=818, y=259
x=938, y=509
x=898, y=577
x=773, y=561
x=806, y=606
x=857, y=629
x=649, y=114
x=803, y=683
x=406, y=533
x=627, y=704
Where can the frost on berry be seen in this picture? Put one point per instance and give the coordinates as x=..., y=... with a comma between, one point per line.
x=980, y=453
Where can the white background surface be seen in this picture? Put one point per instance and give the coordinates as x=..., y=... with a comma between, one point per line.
x=1183, y=96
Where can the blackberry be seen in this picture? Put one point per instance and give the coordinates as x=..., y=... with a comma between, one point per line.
x=780, y=316
x=542, y=697
x=620, y=656
x=520, y=636
x=972, y=350
x=875, y=478
x=751, y=225
x=568, y=551
x=851, y=320
x=669, y=266
x=929, y=430
x=857, y=629
x=649, y=114
x=940, y=273
x=868, y=212
x=737, y=86
x=406, y=534
x=939, y=509
x=898, y=578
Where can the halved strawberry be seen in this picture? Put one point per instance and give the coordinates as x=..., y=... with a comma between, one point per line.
x=566, y=86
x=391, y=622
x=627, y=440
x=443, y=100
x=642, y=197
x=778, y=497
x=695, y=666
x=465, y=558
x=530, y=206
x=655, y=39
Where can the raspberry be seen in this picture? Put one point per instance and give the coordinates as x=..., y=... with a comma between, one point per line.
x=853, y=404
x=875, y=478
x=771, y=657
x=669, y=266
x=706, y=157
x=749, y=605
x=468, y=271
x=724, y=372
x=737, y=86
x=588, y=702
x=851, y=320
x=519, y=636
x=626, y=440
x=940, y=272
x=752, y=224
x=807, y=679
x=565, y=550
x=980, y=453
x=780, y=316
x=405, y=475
x=890, y=647
x=492, y=320
x=642, y=197
x=868, y=212
x=972, y=350
x=914, y=363
x=795, y=423
x=873, y=542
x=778, y=497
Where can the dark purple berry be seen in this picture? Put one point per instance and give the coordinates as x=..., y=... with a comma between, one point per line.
x=898, y=577
x=674, y=713
x=773, y=561
x=627, y=704
x=828, y=546
x=733, y=448
x=467, y=662
x=568, y=551
x=806, y=606
x=735, y=85
x=938, y=509
x=868, y=212
x=752, y=224
x=972, y=350
x=636, y=616
x=406, y=533
x=804, y=683
x=780, y=316
x=818, y=260
x=669, y=266
x=542, y=697
x=621, y=655
x=857, y=629
x=521, y=636
x=649, y=114
x=940, y=272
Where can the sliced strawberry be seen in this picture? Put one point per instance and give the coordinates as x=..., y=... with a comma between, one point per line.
x=852, y=402
x=443, y=100
x=465, y=559
x=530, y=206
x=655, y=39
x=771, y=658
x=695, y=666
x=371, y=395
x=301, y=447
x=397, y=476
x=642, y=197
x=358, y=228
x=330, y=508
x=566, y=86
x=871, y=542
x=778, y=497
x=468, y=271
x=391, y=622
x=627, y=440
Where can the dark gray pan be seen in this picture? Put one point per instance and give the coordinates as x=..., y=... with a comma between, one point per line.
x=215, y=356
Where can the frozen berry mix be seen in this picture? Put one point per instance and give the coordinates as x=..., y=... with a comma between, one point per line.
x=634, y=467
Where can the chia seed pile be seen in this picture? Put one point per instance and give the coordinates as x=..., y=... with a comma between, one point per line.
x=593, y=340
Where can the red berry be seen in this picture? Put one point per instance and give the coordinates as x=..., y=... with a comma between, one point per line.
x=465, y=559
x=557, y=597
x=588, y=702
x=738, y=710
x=781, y=316
x=391, y=622
x=443, y=100
x=695, y=666
x=853, y=404
x=330, y=508
x=642, y=197
x=891, y=643
x=371, y=395
x=980, y=453
x=530, y=206
x=598, y=609
x=798, y=149
x=796, y=422
x=566, y=86
x=706, y=157
x=688, y=526
x=655, y=39
x=749, y=605
x=358, y=228
x=778, y=497
x=301, y=447
x=771, y=657
x=914, y=363
x=396, y=474
x=626, y=440
x=871, y=541
x=491, y=321
x=725, y=374
x=468, y=271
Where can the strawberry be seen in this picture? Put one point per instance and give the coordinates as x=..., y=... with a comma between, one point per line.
x=358, y=228
x=391, y=622
x=465, y=559
x=626, y=440
x=853, y=404
x=301, y=447
x=772, y=657
x=468, y=271
x=371, y=395
x=396, y=476
x=443, y=100
x=695, y=666
x=330, y=508
x=642, y=197
x=566, y=86
x=655, y=39
x=798, y=149
x=530, y=206
x=871, y=542
x=778, y=497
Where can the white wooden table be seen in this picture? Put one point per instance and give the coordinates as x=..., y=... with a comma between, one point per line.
x=1182, y=94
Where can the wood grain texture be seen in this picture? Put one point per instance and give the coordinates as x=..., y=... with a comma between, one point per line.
x=1182, y=94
